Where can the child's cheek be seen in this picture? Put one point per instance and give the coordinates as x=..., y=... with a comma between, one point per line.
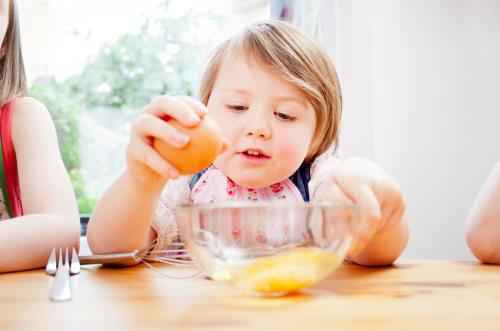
x=292, y=151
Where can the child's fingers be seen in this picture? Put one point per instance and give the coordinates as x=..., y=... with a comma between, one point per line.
x=197, y=105
x=395, y=216
x=337, y=196
x=146, y=155
x=148, y=126
x=394, y=205
x=369, y=215
x=167, y=107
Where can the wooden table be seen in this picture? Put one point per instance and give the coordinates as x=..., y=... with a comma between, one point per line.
x=412, y=295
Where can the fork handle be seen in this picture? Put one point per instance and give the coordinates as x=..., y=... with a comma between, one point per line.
x=61, y=290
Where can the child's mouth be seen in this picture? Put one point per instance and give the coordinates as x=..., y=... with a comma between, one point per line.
x=254, y=156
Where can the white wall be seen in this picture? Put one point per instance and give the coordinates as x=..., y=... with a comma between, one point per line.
x=421, y=85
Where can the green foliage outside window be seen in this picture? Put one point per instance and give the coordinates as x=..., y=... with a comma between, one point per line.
x=164, y=57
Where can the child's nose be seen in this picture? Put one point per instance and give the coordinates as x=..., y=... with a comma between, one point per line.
x=258, y=129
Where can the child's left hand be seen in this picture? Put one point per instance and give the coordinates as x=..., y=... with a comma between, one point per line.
x=380, y=200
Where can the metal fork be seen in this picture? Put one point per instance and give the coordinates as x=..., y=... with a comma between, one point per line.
x=61, y=290
x=74, y=267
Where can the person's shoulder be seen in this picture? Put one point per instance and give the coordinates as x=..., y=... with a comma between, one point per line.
x=324, y=162
x=29, y=113
x=496, y=168
x=31, y=121
x=30, y=108
x=493, y=179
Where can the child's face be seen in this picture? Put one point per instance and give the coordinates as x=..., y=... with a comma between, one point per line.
x=260, y=113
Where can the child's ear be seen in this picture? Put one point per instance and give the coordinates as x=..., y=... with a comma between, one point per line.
x=2, y=53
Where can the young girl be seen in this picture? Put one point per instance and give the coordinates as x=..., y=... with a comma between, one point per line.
x=483, y=226
x=39, y=212
x=276, y=96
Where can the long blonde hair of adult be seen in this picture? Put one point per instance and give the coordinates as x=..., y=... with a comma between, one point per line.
x=12, y=74
x=295, y=57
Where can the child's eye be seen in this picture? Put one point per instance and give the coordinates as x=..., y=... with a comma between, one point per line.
x=237, y=108
x=284, y=117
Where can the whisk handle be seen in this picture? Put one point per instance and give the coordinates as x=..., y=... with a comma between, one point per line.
x=116, y=259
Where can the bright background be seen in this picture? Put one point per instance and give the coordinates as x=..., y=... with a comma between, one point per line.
x=420, y=82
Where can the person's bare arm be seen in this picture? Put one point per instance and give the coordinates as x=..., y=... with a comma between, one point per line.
x=51, y=216
x=483, y=224
x=121, y=221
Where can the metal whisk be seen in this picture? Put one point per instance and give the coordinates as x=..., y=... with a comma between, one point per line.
x=176, y=254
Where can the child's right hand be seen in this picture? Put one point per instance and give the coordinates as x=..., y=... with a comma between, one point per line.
x=146, y=167
x=382, y=229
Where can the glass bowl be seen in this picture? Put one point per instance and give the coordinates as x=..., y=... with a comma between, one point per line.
x=267, y=248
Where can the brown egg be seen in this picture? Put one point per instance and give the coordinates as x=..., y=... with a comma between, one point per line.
x=204, y=145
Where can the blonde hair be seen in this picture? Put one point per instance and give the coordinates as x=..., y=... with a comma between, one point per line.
x=12, y=74
x=298, y=59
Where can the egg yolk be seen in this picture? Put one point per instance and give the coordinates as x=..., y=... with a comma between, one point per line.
x=290, y=271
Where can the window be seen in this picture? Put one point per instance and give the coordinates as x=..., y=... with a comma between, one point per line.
x=95, y=64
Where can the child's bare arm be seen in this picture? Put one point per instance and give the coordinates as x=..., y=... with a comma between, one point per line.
x=483, y=224
x=49, y=205
x=122, y=219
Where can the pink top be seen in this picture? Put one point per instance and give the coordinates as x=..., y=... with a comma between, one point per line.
x=214, y=186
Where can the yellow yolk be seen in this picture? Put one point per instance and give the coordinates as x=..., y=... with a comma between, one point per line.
x=284, y=272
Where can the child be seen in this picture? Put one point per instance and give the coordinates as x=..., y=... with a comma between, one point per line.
x=276, y=96
x=36, y=193
x=483, y=225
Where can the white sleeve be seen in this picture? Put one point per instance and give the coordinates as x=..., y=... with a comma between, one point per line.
x=321, y=170
x=175, y=192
